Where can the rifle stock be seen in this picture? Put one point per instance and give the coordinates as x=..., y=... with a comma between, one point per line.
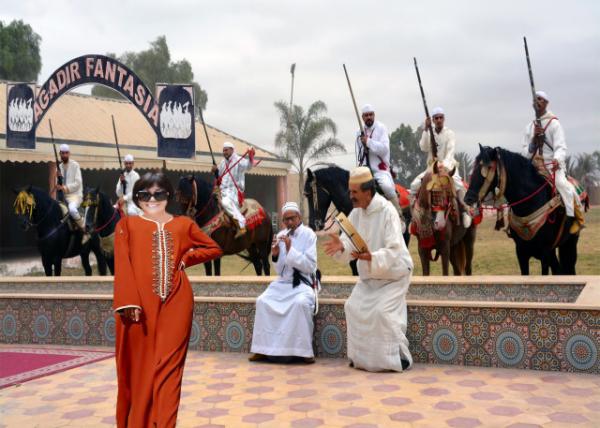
x=431, y=136
x=59, y=178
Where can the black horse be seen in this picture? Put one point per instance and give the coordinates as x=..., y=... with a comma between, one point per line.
x=526, y=191
x=101, y=218
x=57, y=240
x=198, y=200
x=330, y=185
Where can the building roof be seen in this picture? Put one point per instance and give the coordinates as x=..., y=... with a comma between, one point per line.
x=84, y=122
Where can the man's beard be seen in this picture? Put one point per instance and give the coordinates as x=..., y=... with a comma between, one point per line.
x=369, y=122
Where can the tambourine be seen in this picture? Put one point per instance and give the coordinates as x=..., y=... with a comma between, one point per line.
x=347, y=228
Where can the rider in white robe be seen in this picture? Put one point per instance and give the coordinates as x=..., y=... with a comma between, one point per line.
x=376, y=312
x=129, y=176
x=283, y=325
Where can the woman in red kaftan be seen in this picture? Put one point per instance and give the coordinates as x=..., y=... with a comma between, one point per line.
x=153, y=304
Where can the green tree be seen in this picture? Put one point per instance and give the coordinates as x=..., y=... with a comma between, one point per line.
x=19, y=52
x=154, y=65
x=465, y=164
x=585, y=167
x=306, y=138
x=405, y=154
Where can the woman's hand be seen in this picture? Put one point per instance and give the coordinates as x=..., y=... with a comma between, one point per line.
x=132, y=314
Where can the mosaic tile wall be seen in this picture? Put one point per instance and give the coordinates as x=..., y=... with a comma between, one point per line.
x=555, y=293
x=539, y=339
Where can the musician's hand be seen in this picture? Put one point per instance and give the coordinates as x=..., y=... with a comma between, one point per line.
x=364, y=139
x=287, y=241
x=538, y=130
x=132, y=313
x=122, y=178
x=361, y=256
x=427, y=123
x=275, y=248
x=214, y=168
x=334, y=244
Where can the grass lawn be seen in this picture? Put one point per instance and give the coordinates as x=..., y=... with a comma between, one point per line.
x=494, y=255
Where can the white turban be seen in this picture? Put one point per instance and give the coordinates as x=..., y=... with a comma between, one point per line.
x=64, y=148
x=228, y=145
x=128, y=158
x=290, y=206
x=542, y=94
x=437, y=111
x=368, y=108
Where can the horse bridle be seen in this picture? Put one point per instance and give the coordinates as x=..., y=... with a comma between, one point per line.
x=496, y=168
x=31, y=207
x=314, y=192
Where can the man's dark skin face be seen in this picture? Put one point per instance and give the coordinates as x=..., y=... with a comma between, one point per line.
x=64, y=157
x=540, y=106
x=368, y=119
x=360, y=198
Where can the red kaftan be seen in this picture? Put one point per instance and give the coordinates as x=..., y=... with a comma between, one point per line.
x=151, y=353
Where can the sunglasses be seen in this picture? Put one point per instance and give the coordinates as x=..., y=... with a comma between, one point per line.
x=159, y=196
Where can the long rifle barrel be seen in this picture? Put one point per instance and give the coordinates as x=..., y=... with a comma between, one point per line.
x=59, y=179
x=539, y=140
x=208, y=139
x=123, y=183
x=431, y=136
x=529, y=70
x=360, y=124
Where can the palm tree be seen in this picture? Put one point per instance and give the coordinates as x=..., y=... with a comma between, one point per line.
x=305, y=139
x=586, y=166
x=465, y=164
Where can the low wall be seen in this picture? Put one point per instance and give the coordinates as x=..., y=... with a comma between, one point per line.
x=541, y=323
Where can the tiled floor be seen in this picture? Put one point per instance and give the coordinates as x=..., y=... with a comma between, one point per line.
x=227, y=390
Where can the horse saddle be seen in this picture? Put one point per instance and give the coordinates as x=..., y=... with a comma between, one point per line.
x=250, y=209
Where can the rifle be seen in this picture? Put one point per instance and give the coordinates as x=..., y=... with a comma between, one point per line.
x=123, y=183
x=208, y=141
x=431, y=136
x=360, y=124
x=60, y=196
x=539, y=140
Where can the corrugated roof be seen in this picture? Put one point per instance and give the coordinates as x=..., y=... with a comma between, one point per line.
x=84, y=122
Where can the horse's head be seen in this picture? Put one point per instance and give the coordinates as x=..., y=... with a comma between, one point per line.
x=25, y=207
x=184, y=195
x=483, y=178
x=437, y=195
x=91, y=202
x=318, y=201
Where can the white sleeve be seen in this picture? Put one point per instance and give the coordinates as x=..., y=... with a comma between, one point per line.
x=449, y=161
x=119, y=189
x=77, y=182
x=304, y=257
x=424, y=142
x=380, y=144
x=557, y=137
x=393, y=260
x=527, y=136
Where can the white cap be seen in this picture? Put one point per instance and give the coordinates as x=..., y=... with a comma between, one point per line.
x=64, y=148
x=542, y=94
x=128, y=158
x=437, y=111
x=360, y=175
x=290, y=206
x=368, y=108
x=228, y=145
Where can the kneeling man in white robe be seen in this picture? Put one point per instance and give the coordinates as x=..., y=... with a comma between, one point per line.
x=376, y=314
x=283, y=325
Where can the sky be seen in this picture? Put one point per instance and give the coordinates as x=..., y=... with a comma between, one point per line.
x=470, y=56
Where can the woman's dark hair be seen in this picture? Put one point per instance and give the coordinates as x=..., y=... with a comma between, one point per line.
x=148, y=180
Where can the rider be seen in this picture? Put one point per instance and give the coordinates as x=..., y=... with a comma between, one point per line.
x=554, y=152
x=373, y=148
x=446, y=146
x=129, y=177
x=232, y=182
x=72, y=188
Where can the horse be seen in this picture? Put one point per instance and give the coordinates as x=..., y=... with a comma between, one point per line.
x=101, y=218
x=514, y=177
x=199, y=200
x=57, y=239
x=437, y=225
x=330, y=185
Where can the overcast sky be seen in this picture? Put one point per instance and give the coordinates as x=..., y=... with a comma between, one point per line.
x=470, y=55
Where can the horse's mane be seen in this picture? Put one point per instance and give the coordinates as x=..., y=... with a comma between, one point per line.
x=332, y=174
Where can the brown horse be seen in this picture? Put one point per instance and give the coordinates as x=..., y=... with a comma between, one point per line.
x=436, y=223
x=200, y=201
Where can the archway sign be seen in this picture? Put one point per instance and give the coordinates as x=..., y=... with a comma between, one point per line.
x=171, y=118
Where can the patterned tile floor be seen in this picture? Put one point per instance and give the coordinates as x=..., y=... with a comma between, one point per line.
x=227, y=390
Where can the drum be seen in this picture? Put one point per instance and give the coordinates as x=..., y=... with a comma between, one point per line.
x=348, y=229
